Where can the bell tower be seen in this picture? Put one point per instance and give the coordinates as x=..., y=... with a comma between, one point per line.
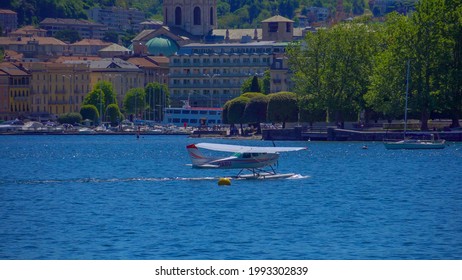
x=197, y=17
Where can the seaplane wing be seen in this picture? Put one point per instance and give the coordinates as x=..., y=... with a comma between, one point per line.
x=246, y=149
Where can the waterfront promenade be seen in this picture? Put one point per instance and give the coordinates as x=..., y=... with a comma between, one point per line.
x=295, y=133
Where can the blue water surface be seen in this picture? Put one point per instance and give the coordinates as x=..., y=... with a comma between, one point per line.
x=118, y=197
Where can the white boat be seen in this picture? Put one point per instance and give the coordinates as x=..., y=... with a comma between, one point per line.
x=413, y=143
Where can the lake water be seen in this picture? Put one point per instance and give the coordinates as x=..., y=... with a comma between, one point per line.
x=118, y=197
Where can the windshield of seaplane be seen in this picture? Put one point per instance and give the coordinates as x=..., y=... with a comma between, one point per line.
x=247, y=155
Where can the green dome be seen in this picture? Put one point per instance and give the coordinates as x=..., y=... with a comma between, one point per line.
x=162, y=45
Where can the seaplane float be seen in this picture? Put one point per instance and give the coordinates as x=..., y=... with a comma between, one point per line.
x=258, y=160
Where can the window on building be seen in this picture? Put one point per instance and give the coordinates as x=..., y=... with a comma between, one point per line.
x=273, y=27
x=288, y=27
x=211, y=16
x=197, y=16
x=178, y=16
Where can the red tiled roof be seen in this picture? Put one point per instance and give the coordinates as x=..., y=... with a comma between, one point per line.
x=2, y=11
x=91, y=42
x=12, y=69
x=142, y=62
x=63, y=59
x=23, y=41
x=160, y=59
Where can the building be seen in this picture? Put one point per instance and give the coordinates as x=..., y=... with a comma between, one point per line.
x=36, y=48
x=155, y=69
x=4, y=95
x=208, y=75
x=87, y=47
x=57, y=88
x=114, y=50
x=277, y=28
x=118, y=19
x=161, y=41
x=195, y=17
x=14, y=91
x=151, y=24
x=85, y=28
x=28, y=31
x=8, y=21
x=280, y=74
x=122, y=74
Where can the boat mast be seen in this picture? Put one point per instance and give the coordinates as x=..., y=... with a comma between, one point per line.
x=405, y=105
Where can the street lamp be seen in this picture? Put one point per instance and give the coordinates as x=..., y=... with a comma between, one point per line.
x=211, y=86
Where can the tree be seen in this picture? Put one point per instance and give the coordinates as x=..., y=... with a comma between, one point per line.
x=282, y=107
x=255, y=85
x=452, y=65
x=309, y=112
x=255, y=110
x=266, y=82
x=70, y=118
x=247, y=85
x=236, y=109
x=89, y=112
x=96, y=98
x=334, y=65
x=134, y=101
x=429, y=49
x=113, y=112
x=386, y=91
x=108, y=92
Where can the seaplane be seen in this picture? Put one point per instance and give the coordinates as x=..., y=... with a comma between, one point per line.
x=258, y=160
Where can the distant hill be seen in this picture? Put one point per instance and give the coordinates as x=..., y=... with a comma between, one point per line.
x=231, y=13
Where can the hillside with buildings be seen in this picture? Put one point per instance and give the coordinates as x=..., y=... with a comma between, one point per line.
x=45, y=74
x=43, y=77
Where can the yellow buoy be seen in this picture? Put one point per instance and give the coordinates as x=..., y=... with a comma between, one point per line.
x=224, y=182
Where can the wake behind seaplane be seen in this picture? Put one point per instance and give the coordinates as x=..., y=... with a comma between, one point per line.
x=246, y=158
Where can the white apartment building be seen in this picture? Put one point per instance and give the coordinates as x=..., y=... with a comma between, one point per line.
x=208, y=75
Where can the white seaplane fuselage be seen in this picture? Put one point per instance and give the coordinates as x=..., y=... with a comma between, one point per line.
x=236, y=161
x=243, y=157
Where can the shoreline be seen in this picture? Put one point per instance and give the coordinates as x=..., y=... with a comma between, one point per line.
x=331, y=135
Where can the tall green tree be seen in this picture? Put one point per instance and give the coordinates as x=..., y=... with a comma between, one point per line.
x=134, y=102
x=108, y=92
x=96, y=98
x=282, y=107
x=266, y=82
x=255, y=86
x=386, y=91
x=334, y=66
x=429, y=51
x=452, y=66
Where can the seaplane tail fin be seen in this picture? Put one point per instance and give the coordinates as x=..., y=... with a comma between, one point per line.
x=197, y=158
